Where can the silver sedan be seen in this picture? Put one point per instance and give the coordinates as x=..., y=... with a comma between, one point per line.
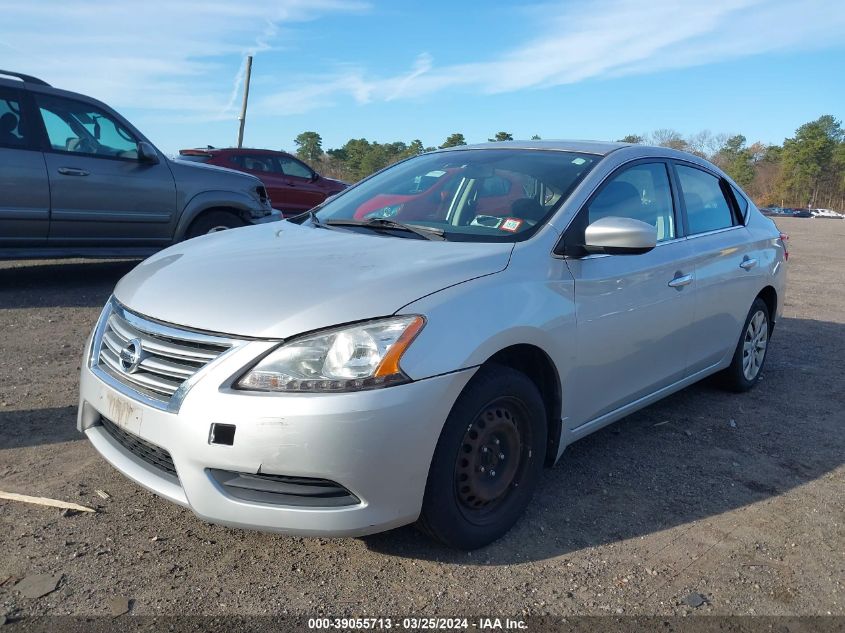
x=420, y=346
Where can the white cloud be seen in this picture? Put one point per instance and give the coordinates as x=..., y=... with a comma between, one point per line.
x=156, y=54
x=169, y=56
x=588, y=40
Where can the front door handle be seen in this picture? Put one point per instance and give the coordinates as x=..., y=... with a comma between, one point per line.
x=72, y=171
x=748, y=263
x=681, y=281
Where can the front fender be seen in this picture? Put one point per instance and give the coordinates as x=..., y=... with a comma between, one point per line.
x=470, y=322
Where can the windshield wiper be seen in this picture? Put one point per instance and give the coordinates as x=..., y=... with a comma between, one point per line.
x=315, y=220
x=311, y=214
x=427, y=232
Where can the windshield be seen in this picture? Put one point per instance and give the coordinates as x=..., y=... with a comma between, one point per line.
x=488, y=195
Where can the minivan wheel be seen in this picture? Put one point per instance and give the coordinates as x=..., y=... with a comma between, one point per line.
x=487, y=461
x=212, y=222
x=750, y=354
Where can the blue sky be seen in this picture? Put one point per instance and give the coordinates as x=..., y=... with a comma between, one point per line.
x=400, y=70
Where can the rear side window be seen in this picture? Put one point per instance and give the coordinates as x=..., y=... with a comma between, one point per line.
x=707, y=207
x=13, y=124
x=254, y=162
x=741, y=202
x=640, y=192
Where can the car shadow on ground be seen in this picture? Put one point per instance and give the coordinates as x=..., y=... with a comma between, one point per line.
x=36, y=427
x=698, y=453
x=71, y=284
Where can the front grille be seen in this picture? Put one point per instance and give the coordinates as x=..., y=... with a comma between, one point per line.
x=150, y=453
x=169, y=356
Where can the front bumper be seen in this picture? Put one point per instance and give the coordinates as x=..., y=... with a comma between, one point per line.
x=377, y=444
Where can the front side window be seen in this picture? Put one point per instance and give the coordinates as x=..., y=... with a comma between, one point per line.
x=291, y=167
x=79, y=128
x=13, y=128
x=495, y=195
x=707, y=207
x=641, y=192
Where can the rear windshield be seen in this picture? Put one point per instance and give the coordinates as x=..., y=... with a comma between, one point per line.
x=489, y=195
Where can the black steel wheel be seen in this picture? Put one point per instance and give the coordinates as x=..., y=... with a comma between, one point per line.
x=493, y=457
x=487, y=461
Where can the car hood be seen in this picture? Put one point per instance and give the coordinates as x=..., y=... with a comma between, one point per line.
x=219, y=177
x=280, y=279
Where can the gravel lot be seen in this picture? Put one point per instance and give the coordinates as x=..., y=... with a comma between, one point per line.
x=737, y=498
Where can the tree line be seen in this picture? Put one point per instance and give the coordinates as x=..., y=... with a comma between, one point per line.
x=807, y=169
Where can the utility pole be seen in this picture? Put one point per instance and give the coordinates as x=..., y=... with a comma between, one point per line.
x=242, y=118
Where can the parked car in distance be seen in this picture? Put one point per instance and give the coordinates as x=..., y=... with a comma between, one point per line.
x=77, y=179
x=426, y=371
x=801, y=213
x=827, y=214
x=292, y=185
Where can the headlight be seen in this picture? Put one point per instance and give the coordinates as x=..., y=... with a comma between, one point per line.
x=352, y=358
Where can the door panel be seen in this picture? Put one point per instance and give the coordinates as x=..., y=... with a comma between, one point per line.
x=634, y=312
x=302, y=192
x=726, y=266
x=110, y=201
x=100, y=193
x=24, y=189
x=633, y=327
x=724, y=292
x=24, y=198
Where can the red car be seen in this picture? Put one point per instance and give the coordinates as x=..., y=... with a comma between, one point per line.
x=429, y=196
x=292, y=185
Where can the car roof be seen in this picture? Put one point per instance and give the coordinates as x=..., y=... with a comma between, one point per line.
x=232, y=150
x=601, y=148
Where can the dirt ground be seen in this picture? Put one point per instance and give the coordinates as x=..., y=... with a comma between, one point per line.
x=737, y=498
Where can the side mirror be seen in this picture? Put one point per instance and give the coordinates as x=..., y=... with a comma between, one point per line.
x=147, y=153
x=619, y=236
x=314, y=176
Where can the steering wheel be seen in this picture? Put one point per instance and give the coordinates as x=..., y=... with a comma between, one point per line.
x=86, y=145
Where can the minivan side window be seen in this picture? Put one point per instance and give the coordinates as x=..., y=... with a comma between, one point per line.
x=79, y=128
x=641, y=192
x=707, y=207
x=13, y=128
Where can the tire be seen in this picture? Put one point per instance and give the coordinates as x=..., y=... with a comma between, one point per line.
x=751, y=350
x=213, y=221
x=474, y=495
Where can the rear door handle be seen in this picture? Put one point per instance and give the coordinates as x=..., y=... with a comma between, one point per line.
x=680, y=282
x=748, y=263
x=72, y=171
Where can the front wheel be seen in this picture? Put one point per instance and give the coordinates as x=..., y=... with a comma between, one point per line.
x=487, y=461
x=212, y=222
x=750, y=354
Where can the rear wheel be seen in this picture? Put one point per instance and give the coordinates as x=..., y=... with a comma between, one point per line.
x=487, y=461
x=212, y=222
x=750, y=354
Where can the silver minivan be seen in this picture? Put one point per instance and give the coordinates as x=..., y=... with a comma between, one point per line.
x=420, y=346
